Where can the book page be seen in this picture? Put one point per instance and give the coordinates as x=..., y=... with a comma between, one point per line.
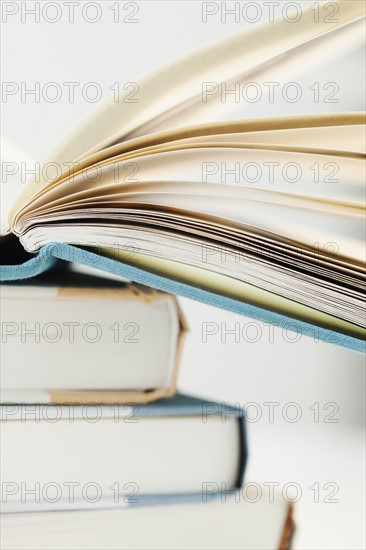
x=219, y=62
x=351, y=133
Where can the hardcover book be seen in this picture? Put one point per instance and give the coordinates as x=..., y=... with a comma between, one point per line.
x=56, y=336
x=93, y=456
x=219, y=524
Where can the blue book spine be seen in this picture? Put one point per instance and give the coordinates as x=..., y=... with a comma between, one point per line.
x=49, y=254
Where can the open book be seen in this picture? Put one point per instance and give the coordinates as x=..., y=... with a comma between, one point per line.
x=137, y=183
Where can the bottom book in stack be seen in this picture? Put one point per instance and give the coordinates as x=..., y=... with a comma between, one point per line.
x=225, y=524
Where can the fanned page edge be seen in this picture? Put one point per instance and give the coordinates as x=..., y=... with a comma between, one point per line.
x=147, y=144
x=215, y=55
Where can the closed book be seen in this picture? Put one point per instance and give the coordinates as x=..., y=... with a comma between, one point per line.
x=247, y=523
x=57, y=457
x=69, y=337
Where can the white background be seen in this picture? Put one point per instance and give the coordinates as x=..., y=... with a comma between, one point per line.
x=281, y=371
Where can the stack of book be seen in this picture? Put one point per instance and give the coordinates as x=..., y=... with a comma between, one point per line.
x=98, y=451
x=92, y=426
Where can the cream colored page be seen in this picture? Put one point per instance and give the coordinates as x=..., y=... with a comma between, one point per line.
x=276, y=128
x=183, y=79
x=350, y=139
x=345, y=167
x=213, y=171
x=286, y=67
